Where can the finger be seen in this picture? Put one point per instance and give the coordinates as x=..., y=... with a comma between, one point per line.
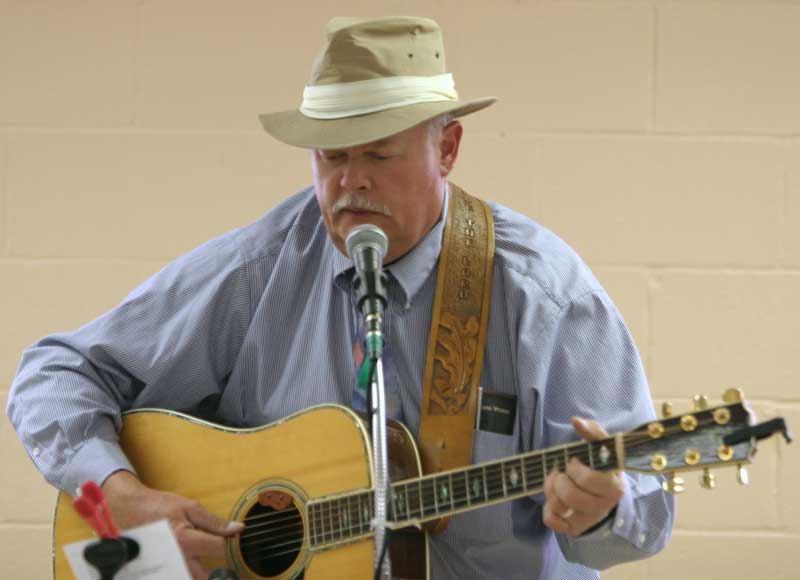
x=197, y=570
x=588, y=430
x=553, y=520
x=595, y=483
x=570, y=495
x=552, y=502
x=207, y=521
x=197, y=543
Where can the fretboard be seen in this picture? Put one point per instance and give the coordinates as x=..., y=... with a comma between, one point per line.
x=348, y=517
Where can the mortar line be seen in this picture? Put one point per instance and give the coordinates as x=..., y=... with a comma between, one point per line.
x=5, y=242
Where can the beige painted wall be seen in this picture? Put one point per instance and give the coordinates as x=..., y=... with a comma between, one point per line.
x=660, y=138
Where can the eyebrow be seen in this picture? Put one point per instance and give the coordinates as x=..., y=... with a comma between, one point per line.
x=373, y=145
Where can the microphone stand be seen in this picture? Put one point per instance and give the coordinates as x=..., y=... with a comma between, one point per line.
x=367, y=245
x=374, y=340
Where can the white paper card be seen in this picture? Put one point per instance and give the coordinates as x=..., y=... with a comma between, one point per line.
x=160, y=557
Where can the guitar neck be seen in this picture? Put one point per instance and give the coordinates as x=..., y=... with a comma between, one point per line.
x=443, y=494
x=415, y=501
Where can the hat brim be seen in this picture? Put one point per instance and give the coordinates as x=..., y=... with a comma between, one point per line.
x=294, y=128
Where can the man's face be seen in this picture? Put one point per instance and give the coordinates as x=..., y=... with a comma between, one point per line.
x=396, y=183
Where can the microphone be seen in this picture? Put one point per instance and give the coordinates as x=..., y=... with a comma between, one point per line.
x=367, y=245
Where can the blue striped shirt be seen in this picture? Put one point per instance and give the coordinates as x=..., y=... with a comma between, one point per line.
x=258, y=324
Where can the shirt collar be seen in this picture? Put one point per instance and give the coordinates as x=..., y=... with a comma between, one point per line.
x=411, y=270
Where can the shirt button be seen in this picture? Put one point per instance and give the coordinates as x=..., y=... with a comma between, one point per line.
x=407, y=306
x=642, y=538
x=620, y=522
x=36, y=452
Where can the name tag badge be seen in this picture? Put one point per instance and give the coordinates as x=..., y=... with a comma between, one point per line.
x=496, y=412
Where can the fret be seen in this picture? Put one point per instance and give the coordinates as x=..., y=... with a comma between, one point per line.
x=337, y=526
x=591, y=454
x=496, y=489
x=442, y=491
x=339, y=518
x=566, y=457
x=485, y=488
x=512, y=479
x=421, y=500
x=365, y=512
x=466, y=487
x=523, y=470
x=344, y=526
x=503, y=477
x=395, y=502
x=355, y=514
x=322, y=527
x=476, y=486
x=429, y=491
x=533, y=468
x=459, y=488
x=411, y=501
x=406, y=501
x=331, y=522
x=313, y=529
x=352, y=516
x=544, y=466
x=450, y=482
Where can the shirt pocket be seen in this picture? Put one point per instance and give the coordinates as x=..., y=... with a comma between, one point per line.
x=489, y=446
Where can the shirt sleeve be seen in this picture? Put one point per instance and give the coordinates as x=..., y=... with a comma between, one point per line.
x=591, y=368
x=171, y=343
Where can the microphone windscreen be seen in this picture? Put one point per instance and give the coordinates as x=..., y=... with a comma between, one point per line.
x=366, y=235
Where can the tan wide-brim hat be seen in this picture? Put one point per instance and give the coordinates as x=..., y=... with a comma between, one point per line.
x=372, y=79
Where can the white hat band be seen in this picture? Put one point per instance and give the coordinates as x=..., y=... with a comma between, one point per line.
x=341, y=100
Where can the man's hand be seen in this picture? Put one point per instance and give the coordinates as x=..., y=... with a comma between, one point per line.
x=579, y=497
x=199, y=533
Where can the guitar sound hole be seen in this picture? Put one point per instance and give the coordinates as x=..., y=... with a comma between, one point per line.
x=271, y=540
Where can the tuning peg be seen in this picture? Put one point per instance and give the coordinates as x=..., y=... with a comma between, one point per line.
x=732, y=396
x=741, y=475
x=708, y=480
x=666, y=409
x=672, y=484
x=699, y=403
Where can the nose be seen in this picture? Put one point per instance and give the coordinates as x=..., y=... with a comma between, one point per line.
x=355, y=175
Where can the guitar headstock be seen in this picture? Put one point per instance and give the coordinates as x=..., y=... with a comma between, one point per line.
x=704, y=438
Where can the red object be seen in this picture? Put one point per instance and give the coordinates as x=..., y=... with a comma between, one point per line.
x=95, y=494
x=91, y=504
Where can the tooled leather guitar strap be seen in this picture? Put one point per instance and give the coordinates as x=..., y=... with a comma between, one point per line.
x=457, y=336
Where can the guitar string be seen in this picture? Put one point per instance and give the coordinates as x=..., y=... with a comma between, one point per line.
x=541, y=456
x=492, y=473
x=344, y=534
x=494, y=476
x=497, y=473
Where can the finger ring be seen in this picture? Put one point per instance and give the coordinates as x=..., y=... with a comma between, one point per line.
x=568, y=514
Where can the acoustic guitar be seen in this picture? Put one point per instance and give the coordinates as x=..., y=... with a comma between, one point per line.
x=303, y=485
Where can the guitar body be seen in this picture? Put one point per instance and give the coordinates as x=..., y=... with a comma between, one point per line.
x=319, y=452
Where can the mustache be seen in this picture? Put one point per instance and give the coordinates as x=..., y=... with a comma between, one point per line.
x=358, y=201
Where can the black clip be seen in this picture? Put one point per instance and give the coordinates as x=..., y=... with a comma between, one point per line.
x=110, y=554
x=760, y=431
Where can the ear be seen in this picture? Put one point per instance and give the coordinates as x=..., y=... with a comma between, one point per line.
x=448, y=147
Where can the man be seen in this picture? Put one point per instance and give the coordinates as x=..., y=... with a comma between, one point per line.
x=260, y=323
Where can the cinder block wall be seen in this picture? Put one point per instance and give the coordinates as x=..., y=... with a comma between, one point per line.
x=660, y=138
